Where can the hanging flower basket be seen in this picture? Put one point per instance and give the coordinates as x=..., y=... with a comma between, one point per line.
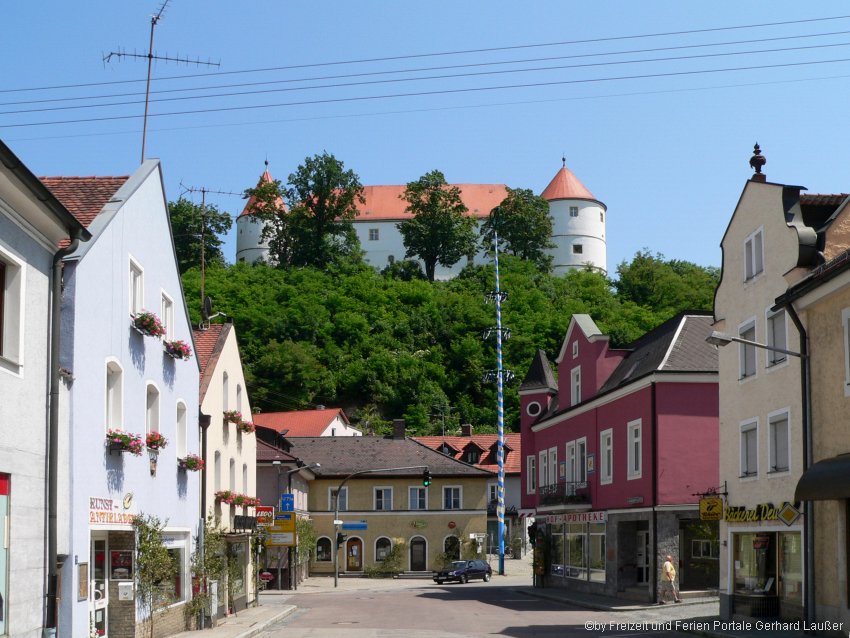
x=246, y=427
x=232, y=416
x=148, y=324
x=177, y=349
x=120, y=441
x=191, y=463
x=155, y=441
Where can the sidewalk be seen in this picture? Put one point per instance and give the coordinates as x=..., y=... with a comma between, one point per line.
x=248, y=622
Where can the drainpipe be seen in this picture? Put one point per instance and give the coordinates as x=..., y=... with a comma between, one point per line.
x=53, y=438
x=654, y=578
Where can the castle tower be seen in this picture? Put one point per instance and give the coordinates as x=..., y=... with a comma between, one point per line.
x=578, y=224
x=250, y=246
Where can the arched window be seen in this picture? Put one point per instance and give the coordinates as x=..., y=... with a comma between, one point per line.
x=238, y=397
x=180, y=442
x=217, y=471
x=224, y=392
x=245, y=478
x=114, y=393
x=452, y=547
x=323, y=550
x=382, y=548
x=152, y=409
x=231, y=485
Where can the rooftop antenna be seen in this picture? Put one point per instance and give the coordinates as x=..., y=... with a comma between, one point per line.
x=151, y=56
x=207, y=313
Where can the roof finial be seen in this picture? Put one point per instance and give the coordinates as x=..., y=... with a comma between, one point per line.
x=756, y=162
x=267, y=162
x=563, y=160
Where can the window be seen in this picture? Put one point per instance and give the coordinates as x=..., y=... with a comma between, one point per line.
x=601, y=216
x=452, y=498
x=530, y=474
x=573, y=211
x=472, y=456
x=180, y=439
x=553, y=466
x=747, y=352
x=374, y=234
x=606, y=457
x=492, y=492
x=777, y=424
x=451, y=547
x=172, y=589
x=776, y=337
x=382, y=548
x=417, y=498
x=383, y=498
x=701, y=548
x=544, y=472
x=323, y=550
x=635, y=450
x=533, y=409
x=244, y=478
x=225, y=392
x=342, y=505
x=578, y=249
x=217, y=471
x=167, y=316
x=571, y=461
x=114, y=401
x=137, y=288
x=575, y=349
x=152, y=409
x=11, y=309
x=581, y=461
x=238, y=398
x=753, y=255
x=231, y=483
x=749, y=449
x=575, y=386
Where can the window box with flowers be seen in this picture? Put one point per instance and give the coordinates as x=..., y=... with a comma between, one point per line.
x=120, y=441
x=177, y=349
x=191, y=463
x=232, y=416
x=246, y=427
x=155, y=441
x=148, y=324
x=224, y=496
x=235, y=498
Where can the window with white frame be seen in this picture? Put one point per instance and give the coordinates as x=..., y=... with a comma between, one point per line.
x=635, y=465
x=747, y=351
x=553, y=466
x=575, y=349
x=542, y=469
x=173, y=588
x=452, y=497
x=776, y=337
x=571, y=461
x=606, y=456
x=12, y=314
x=114, y=392
x=575, y=385
x=492, y=492
x=753, y=255
x=382, y=548
x=137, y=287
x=749, y=448
x=702, y=548
x=182, y=430
x=417, y=498
x=152, y=409
x=530, y=474
x=573, y=211
x=383, y=498
x=374, y=234
x=167, y=316
x=342, y=504
x=581, y=461
x=777, y=424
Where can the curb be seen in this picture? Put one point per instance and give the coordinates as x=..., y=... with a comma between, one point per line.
x=261, y=625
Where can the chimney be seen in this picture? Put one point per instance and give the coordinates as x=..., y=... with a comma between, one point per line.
x=398, y=429
x=320, y=407
x=466, y=429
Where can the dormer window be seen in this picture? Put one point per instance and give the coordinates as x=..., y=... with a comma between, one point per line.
x=472, y=456
x=445, y=449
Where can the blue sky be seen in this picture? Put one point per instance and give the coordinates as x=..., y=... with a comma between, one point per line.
x=665, y=145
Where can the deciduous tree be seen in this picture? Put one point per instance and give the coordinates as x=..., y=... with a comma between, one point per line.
x=524, y=226
x=194, y=226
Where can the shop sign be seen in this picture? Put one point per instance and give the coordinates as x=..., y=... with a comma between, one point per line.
x=577, y=517
x=109, y=511
x=710, y=508
x=265, y=515
x=762, y=512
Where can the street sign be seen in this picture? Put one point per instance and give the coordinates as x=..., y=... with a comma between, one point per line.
x=280, y=539
x=355, y=525
x=266, y=576
x=284, y=522
x=287, y=502
x=265, y=515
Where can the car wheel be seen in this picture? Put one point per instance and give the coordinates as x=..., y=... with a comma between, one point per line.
x=486, y=577
x=439, y=581
x=464, y=579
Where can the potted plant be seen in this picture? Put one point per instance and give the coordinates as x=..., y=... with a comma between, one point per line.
x=224, y=496
x=246, y=426
x=120, y=441
x=155, y=441
x=177, y=349
x=148, y=324
x=191, y=463
x=232, y=416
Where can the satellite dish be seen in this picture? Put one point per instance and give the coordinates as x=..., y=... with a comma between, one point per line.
x=206, y=309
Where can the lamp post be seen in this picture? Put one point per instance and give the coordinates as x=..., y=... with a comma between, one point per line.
x=293, y=578
x=338, y=522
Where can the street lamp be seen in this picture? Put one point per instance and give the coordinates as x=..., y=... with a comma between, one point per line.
x=338, y=522
x=721, y=339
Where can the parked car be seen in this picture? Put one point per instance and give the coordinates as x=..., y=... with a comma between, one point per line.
x=463, y=571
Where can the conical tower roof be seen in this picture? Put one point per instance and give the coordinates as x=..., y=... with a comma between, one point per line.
x=265, y=178
x=565, y=185
x=539, y=375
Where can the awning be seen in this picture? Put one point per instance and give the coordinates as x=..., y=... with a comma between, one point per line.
x=826, y=480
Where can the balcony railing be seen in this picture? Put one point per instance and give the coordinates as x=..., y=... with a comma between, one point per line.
x=564, y=493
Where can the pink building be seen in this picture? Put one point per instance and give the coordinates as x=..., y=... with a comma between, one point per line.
x=617, y=453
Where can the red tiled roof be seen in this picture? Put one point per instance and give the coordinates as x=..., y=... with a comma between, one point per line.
x=565, y=185
x=205, y=342
x=300, y=422
x=488, y=461
x=265, y=178
x=84, y=197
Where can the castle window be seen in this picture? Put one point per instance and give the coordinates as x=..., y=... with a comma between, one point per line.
x=578, y=249
x=601, y=216
x=573, y=211
x=374, y=234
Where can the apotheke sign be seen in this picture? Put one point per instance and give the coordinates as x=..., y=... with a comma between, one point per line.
x=578, y=517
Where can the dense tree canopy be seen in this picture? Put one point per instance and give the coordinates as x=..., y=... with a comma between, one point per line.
x=524, y=227
x=194, y=226
x=383, y=346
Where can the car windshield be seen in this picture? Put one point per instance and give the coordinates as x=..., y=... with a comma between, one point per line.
x=458, y=564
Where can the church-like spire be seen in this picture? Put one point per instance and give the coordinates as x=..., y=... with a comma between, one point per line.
x=565, y=185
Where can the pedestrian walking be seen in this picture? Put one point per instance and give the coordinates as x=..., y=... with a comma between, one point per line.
x=668, y=581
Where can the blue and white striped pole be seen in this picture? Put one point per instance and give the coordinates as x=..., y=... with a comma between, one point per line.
x=500, y=488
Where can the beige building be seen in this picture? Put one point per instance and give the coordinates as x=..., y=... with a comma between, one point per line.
x=229, y=448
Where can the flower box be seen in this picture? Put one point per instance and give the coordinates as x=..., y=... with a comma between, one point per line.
x=148, y=324
x=246, y=427
x=191, y=463
x=235, y=498
x=232, y=416
x=120, y=441
x=177, y=349
x=155, y=441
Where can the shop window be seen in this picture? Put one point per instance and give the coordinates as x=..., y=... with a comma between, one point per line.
x=323, y=550
x=382, y=548
x=172, y=589
x=596, y=550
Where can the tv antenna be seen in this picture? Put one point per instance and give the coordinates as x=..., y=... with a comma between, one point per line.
x=207, y=313
x=203, y=191
x=151, y=56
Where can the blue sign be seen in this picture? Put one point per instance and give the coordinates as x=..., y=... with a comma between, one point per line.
x=287, y=502
x=355, y=525
x=284, y=516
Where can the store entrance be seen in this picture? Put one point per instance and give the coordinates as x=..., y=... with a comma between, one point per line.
x=642, y=557
x=99, y=589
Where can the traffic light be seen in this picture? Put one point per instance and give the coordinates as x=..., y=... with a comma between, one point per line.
x=426, y=477
x=340, y=538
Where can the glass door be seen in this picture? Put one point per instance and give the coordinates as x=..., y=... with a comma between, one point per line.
x=99, y=590
x=642, y=557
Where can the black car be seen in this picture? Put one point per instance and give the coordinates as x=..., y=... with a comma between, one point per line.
x=463, y=571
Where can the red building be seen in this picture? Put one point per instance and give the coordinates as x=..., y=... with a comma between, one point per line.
x=618, y=452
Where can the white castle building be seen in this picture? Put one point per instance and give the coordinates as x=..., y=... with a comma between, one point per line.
x=578, y=224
